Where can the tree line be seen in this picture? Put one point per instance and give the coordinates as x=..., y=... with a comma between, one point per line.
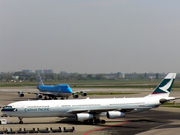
x=49, y=76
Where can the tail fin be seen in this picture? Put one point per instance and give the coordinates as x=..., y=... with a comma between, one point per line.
x=40, y=82
x=165, y=86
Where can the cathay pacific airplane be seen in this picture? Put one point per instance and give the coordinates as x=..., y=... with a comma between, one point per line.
x=90, y=110
x=61, y=90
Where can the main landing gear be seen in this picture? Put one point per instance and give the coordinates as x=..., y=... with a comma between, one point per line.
x=62, y=98
x=98, y=121
x=95, y=121
x=50, y=97
x=20, y=121
x=54, y=97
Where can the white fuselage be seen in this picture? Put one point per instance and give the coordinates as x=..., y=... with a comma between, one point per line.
x=66, y=108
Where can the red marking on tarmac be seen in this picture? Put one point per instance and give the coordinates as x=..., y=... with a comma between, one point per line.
x=107, y=127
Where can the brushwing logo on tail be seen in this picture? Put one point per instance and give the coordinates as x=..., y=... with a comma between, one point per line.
x=167, y=86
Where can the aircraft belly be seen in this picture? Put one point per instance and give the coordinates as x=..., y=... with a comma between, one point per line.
x=64, y=94
x=58, y=94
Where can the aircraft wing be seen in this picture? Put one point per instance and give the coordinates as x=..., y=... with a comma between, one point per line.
x=43, y=93
x=105, y=110
x=80, y=91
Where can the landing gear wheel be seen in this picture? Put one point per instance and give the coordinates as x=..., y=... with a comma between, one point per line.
x=102, y=121
x=85, y=121
x=91, y=121
x=96, y=121
x=20, y=122
x=62, y=98
x=45, y=98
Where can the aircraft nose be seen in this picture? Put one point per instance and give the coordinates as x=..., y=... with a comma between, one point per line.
x=69, y=90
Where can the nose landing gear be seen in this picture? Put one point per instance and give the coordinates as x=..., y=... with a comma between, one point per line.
x=20, y=121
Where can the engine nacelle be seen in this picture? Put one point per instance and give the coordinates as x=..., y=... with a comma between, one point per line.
x=38, y=96
x=83, y=94
x=20, y=94
x=83, y=116
x=75, y=96
x=115, y=114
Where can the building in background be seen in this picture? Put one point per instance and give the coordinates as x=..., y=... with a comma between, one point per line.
x=27, y=71
x=48, y=71
x=39, y=71
x=120, y=75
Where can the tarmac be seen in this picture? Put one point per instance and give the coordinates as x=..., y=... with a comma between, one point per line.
x=158, y=121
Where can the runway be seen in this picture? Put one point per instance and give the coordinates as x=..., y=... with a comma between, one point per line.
x=162, y=120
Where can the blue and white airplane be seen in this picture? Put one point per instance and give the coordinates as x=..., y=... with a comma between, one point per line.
x=90, y=110
x=52, y=92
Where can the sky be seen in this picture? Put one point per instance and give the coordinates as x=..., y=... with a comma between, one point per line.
x=90, y=36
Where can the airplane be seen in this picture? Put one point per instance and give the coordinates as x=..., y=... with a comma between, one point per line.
x=90, y=110
x=61, y=90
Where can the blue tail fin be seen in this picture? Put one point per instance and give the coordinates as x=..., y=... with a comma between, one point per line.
x=165, y=86
x=40, y=82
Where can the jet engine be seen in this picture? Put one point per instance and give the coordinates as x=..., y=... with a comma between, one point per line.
x=83, y=94
x=115, y=114
x=20, y=94
x=83, y=116
x=38, y=96
x=75, y=95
